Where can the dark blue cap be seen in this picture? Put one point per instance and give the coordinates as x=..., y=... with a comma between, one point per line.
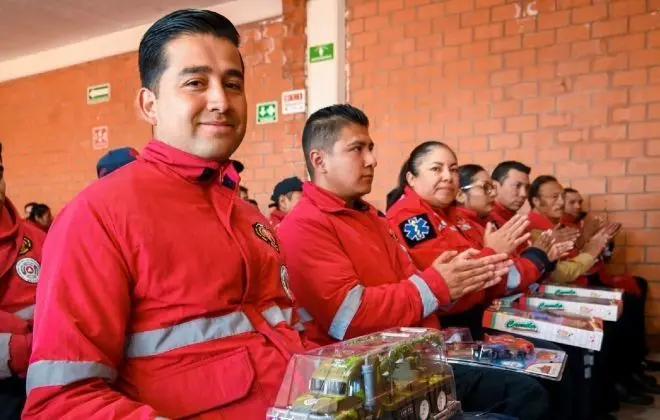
x=114, y=160
x=286, y=186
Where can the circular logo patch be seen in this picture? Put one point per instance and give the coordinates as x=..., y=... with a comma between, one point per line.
x=28, y=270
x=284, y=279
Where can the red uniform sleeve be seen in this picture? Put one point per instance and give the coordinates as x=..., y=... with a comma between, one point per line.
x=325, y=283
x=82, y=309
x=15, y=344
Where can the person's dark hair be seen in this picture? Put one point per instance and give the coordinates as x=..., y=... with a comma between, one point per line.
x=322, y=128
x=570, y=190
x=253, y=202
x=535, y=188
x=467, y=172
x=242, y=189
x=502, y=170
x=391, y=198
x=152, y=59
x=30, y=204
x=38, y=210
x=412, y=165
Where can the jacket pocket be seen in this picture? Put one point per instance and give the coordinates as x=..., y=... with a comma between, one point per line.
x=219, y=381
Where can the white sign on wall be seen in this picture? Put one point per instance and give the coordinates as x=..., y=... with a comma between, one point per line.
x=100, y=138
x=293, y=102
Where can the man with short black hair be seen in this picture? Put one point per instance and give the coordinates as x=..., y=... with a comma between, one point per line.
x=352, y=276
x=513, y=183
x=285, y=196
x=164, y=294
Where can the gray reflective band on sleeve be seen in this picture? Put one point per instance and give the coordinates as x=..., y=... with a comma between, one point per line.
x=429, y=302
x=25, y=313
x=59, y=373
x=149, y=343
x=513, y=278
x=345, y=313
x=299, y=326
x=304, y=315
x=288, y=315
x=5, y=372
x=274, y=315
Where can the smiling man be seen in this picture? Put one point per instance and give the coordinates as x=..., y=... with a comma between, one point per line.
x=163, y=293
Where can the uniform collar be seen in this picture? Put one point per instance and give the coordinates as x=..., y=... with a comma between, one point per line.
x=190, y=167
x=327, y=201
x=539, y=221
x=471, y=215
x=569, y=220
x=413, y=198
x=502, y=212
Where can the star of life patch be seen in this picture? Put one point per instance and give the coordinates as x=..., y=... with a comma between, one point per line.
x=417, y=229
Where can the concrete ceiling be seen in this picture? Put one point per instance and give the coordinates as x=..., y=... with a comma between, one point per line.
x=30, y=26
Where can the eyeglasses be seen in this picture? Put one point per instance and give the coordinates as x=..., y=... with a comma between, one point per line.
x=488, y=187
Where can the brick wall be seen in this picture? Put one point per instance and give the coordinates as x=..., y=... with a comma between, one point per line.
x=573, y=91
x=46, y=124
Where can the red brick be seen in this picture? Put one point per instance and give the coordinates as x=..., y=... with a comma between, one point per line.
x=653, y=147
x=457, y=68
x=492, y=126
x=590, y=151
x=653, y=254
x=493, y=30
x=632, y=42
x=487, y=3
x=538, y=39
x=459, y=6
x=643, y=130
x=555, y=87
x=609, y=28
x=538, y=105
x=364, y=39
x=554, y=154
x=611, y=62
x=609, y=133
x=473, y=144
x=386, y=6
x=591, y=82
x=444, y=55
x=487, y=64
x=653, y=39
x=522, y=90
x=653, y=183
x=474, y=49
x=554, y=53
x=376, y=22
x=555, y=120
x=590, y=48
x=607, y=202
x=571, y=136
x=654, y=75
x=644, y=94
x=642, y=237
x=644, y=166
x=458, y=36
x=537, y=139
x=505, y=44
x=573, y=34
x=644, y=58
x=553, y=19
x=590, y=117
x=490, y=95
x=632, y=113
x=476, y=18
x=610, y=97
x=355, y=26
x=458, y=129
x=502, y=13
x=520, y=58
x=521, y=155
x=653, y=219
x=644, y=201
x=431, y=11
x=589, y=13
x=520, y=26
x=418, y=58
x=505, y=77
x=413, y=3
x=505, y=109
x=403, y=16
x=571, y=101
x=475, y=112
x=631, y=148
x=576, y=170
x=590, y=185
x=540, y=72
x=645, y=22
x=629, y=78
x=609, y=167
x=517, y=124
x=626, y=8
x=365, y=9
x=626, y=184
x=504, y=141
x=572, y=68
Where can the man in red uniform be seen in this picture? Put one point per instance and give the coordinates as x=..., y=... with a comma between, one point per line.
x=286, y=195
x=163, y=293
x=352, y=276
x=20, y=258
x=513, y=183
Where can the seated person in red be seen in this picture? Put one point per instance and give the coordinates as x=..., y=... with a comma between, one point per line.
x=285, y=196
x=512, y=180
x=352, y=276
x=428, y=221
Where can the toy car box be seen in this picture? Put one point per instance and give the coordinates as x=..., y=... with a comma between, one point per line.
x=574, y=330
x=399, y=373
x=589, y=292
x=605, y=309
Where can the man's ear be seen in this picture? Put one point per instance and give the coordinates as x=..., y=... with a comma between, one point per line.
x=536, y=201
x=318, y=159
x=146, y=104
x=461, y=197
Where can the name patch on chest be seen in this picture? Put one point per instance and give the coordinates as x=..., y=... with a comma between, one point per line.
x=28, y=270
x=266, y=235
x=417, y=229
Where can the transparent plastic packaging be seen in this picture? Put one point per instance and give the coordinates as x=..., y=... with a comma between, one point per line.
x=396, y=374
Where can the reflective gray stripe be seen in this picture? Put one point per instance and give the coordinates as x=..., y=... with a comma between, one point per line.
x=429, y=302
x=513, y=278
x=274, y=315
x=59, y=373
x=304, y=315
x=299, y=326
x=25, y=313
x=149, y=343
x=5, y=372
x=345, y=313
x=288, y=315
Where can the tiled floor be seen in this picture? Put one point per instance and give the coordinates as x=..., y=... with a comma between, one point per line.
x=647, y=413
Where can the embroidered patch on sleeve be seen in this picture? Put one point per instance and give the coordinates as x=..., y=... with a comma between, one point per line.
x=417, y=229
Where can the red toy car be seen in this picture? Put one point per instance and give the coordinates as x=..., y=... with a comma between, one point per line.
x=524, y=347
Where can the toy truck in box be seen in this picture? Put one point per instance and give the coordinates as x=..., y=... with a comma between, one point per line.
x=397, y=374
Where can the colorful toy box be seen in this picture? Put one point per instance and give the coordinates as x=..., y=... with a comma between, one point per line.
x=605, y=309
x=588, y=292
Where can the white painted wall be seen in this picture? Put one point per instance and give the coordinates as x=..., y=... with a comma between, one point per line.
x=238, y=11
x=326, y=80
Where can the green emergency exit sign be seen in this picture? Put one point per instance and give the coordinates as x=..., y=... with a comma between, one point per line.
x=321, y=52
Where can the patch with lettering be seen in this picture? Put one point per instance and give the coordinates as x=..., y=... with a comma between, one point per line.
x=28, y=270
x=266, y=235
